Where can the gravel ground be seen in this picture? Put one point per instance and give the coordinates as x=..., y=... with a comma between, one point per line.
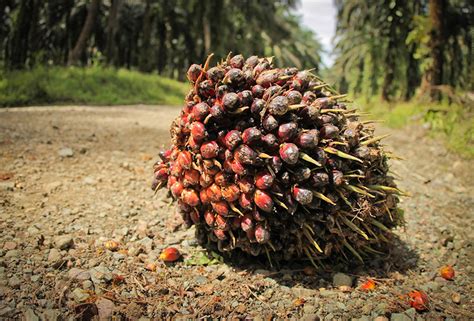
x=72, y=178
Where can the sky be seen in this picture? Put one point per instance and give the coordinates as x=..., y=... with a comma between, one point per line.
x=320, y=16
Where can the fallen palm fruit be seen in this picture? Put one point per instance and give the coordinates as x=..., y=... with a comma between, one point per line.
x=271, y=162
x=170, y=254
x=447, y=272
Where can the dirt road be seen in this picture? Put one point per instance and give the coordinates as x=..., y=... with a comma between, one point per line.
x=72, y=178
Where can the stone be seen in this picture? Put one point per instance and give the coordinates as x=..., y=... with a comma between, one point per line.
x=341, y=279
x=7, y=186
x=14, y=282
x=12, y=254
x=89, y=181
x=456, y=298
x=66, y=152
x=201, y=279
x=105, y=308
x=29, y=315
x=87, y=284
x=63, y=242
x=9, y=245
x=381, y=318
x=54, y=256
x=310, y=317
x=51, y=315
x=79, y=295
x=404, y=316
x=100, y=274
x=79, y=274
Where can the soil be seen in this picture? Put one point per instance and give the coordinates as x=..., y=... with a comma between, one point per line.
x=72, y=178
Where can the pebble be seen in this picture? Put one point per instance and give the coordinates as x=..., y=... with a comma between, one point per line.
x=79, y=295
x=7, y=186
x=87, y=284
x=89, y=180
x=66, y=152
x=381, y=318
x=9, y=245
x=341, y=279
x=400, y=317
x=14, y=282
x=456, y=298
x=51, y=315
x=12, y=253
x=79, y=274
x=54, y=256
x=310, y=317
x=201, y=279
x=100, y=274
x=105, y=308
x=29, y=315
x=63, y=242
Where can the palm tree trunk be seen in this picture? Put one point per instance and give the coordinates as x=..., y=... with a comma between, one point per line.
x=80, y=47
x=112, y=26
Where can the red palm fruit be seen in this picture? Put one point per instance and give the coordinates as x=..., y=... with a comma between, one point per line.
x=230, y=192
x=209, y=217
x=251, y=235
x=302, y=195
x=337, y=177
x=193, y=72
x=217, y=111
x=234, y=77
x=251, y=61
x=214, y=193
x=303, y=77
x=231, y=101
x=170, y=254
x=228, y=166
x=246, y=184
x=278, y=105
x=257, y=106
x=237, y=61
x=286, y=132
x=177, y=189
x=195, y=217
x=220, y=179
x=190, y=177
x=198, y=131
x=447, y=272
x=203, y=196
x=301, y=174
x=206, y=89
x=245, y=155
x=289, y=153
x=308, y=97
x=232, y=139
x=269, y=123
x=251, y=135
x=257, y=216
x=319, y=179
x=165, y=155
x=419, y=300
x=162, y=174
x=221, y=137
x=238, y=168
x=183, y=207
x=323, y=103
x=209, y=149
x=220, y=207
x=276, y=164
x=200, y=111
x=268, y=77
x=215, y=74
x=190, y=197
x=220, y=234
x=185, y=159
x=290, y=203
x=270, y=141
x=193, y=144
x=257, y=91
x=222, y=223
x=245, y=201
x=294, y=97
x=246, y=223
x=307, y=139
x=263, y=200
x=262, y=235
x=246, y=98
x=309, y=114
x=171, y=181
x=264, y=180
x=329, y=131
x=205, y=179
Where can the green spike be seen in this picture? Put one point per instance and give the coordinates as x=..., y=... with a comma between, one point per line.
x=375, y=139
x=296, y=106
x=310, y=238
x=369, y=249
x=337, y=152
x=358, y=190
x=235, y=209
x=354, y=227
x=280, y=203
x=352, y=250
x=309, y=159
x=268, y=257
x=379, y=225
x=310, y=257
x=387, y=189
x=324, y=198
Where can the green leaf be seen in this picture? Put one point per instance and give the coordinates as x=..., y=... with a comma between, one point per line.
x=204, y=259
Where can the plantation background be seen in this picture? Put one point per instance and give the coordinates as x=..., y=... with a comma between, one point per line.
x=75, y=168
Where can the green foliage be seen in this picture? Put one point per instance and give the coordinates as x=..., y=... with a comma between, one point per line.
x=453, y=123
x=94, y=85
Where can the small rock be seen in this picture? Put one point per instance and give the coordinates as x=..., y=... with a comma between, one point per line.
x=201, y=279
x=51, y=315
x=89, y=181
x=341, y=279
x=326, y=293
x=66, y=152
x=87, y=284
x=105, y=308
x=9, y=245
x=5, y=311
x=381, y=318
x=310, y=317
x=79, y=295
x=54, y=256
x=100, y=274
x=79, y=274
x=7, y=186
x=456, y=298
x=345, y=288
x=14, y=282
x=408, y=315
x=63, y=242
x=12, y=253
x=29, y=315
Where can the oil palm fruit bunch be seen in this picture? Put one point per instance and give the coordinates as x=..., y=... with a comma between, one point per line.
x=271, y=161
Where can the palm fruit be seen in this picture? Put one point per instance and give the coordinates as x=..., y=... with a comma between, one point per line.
x=270, y=161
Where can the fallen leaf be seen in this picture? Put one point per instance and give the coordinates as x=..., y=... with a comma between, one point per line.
x=447, y=272
x=299, y=302
x=150, y=267
x=112, y=245
x=368, y=285
x=203, y=259
x=418, y=300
